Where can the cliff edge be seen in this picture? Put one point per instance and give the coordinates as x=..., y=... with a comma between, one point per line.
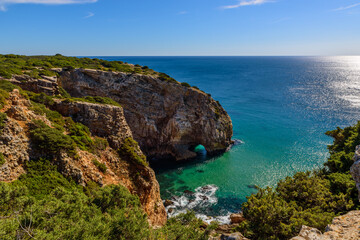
x=28, y=134
x=167, y=119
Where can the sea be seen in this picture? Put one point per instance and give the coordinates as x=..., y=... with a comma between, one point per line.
x=280, y=107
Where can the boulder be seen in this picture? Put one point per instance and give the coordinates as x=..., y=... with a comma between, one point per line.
x=237, y=218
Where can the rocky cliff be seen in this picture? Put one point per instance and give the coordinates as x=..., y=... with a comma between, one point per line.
x=104, y=121
x=345, y=227
x=166, y=118
x=355, y=168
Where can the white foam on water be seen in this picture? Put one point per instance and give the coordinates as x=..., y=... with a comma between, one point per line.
x=202, y=197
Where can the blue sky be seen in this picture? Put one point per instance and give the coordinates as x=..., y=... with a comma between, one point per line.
x=180, y=27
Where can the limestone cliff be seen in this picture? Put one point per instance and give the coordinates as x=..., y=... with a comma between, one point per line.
x=166, y=118
x=105, y=121
x=345, y=227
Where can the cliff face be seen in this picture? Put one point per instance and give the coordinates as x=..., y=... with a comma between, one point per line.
x=345, y=227
x=104, y=121
x=355, y=169
x=166, y=118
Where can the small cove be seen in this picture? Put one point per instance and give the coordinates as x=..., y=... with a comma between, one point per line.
x=280, y=107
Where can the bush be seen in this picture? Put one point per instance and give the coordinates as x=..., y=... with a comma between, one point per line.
x=50, y=140
x=167, y=78
x=97, y=99
x=311, y=198
x=80, y=134
x=48, y=206
x=38, y=66
x=185, y=84
x=3, y=96
x=53, y=116
x=101, y=166
x=2, y=159
x=41, y=98
x=183, y=227
x=130, y=151
x=3, y=118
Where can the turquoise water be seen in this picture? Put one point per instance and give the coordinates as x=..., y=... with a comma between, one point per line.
x=280, y=107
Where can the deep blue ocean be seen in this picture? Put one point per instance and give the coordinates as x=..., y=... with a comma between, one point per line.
x=280, y=107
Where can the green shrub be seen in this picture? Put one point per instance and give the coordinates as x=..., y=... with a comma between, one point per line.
x=42, y=178
x=311, y=199
x=48, y=206
x=3, y=118
x=2, y=159
x=183, y=227
x=80, y=134
x=7, y=86
x=167, y=78
x=185, y=84
x=130, y=151
x=101, y=166
x=53, y=116
x=64, y=93
x=50, y=140
x=97, y=99
x=41, y=98
x=3, y=96
x=100, y=144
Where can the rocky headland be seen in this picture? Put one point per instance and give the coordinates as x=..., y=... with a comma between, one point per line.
x=166, y=118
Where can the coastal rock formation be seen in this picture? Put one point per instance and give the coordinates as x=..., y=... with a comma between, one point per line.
x=166, y=118
x=45, y=84
x=104, y=121
x=237, y=218
x=345, y=227
x=355, y=169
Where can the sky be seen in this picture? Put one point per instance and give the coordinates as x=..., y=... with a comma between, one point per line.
x=180, y=27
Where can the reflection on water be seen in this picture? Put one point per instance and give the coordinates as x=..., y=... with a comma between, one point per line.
x=280, y=107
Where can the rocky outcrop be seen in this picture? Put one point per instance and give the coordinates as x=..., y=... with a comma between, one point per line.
x=355, y=168
x=166, y=118
x=237, y=218
x=345, y=227
x=44, y=84
x=105, y=121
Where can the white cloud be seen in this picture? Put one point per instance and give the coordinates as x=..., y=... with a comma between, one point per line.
x=243, y=3
x=90, y=14
x=347, y=7
x=4, y=3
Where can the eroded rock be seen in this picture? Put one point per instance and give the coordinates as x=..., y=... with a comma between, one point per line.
x=166, y=118
x=345, y=227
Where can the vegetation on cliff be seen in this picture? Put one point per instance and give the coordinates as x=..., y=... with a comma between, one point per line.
x=311, y=198
x=38, y=66
x=44, y=204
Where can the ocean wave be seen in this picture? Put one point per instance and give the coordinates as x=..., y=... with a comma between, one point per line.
x=201, y=199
